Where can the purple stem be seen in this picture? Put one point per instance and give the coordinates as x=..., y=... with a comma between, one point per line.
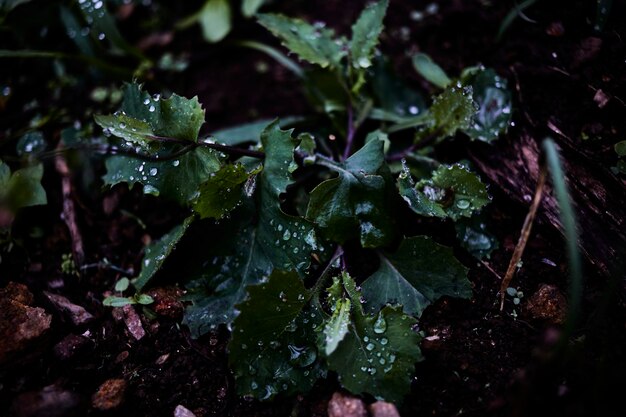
x=350, y=134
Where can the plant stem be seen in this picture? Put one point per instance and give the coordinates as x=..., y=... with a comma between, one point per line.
x=319, y=284
x=350, y=133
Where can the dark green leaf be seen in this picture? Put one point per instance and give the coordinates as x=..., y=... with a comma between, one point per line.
x=378, y=353
x=315, y=44
x=453, y=191
x=620, y=148
x=452, y=110
x=249, y=132
x=475, y=236
x=430, y=70
x=396, y=99
x=142, y=117
x=491, y=95
x=21, y=188
x=365, y=33
x=354, y=203
x=157, y=252
x=31, y=143
x=264, y=240
x=177, y=179
x=417, y=274
x=416, y=199
x=273, y=344
x=222, y=192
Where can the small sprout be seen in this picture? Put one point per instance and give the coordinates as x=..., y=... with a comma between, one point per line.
x=122, y=284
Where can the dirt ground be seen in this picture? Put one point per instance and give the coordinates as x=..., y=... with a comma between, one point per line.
x=479, y=361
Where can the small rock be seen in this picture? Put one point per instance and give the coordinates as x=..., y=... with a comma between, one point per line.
x=75, y=313
x=110, y=395
x=601, y=98
x=181, y=411
x=383, y=409
x=131, y=319
x=547, y=304
x=167, y=302
x=70, y=346
x=21, y=326
x=51, y=401
x=133, y=322
x=344, y=406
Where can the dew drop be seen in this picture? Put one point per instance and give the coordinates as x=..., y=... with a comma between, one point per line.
x=151, y=109
x=463, y=204
x=380, y=325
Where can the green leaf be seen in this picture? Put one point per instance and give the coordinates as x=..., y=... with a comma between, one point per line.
x=354, y=204
x=264, y=238
x=312, y=43
x=250, y=7
x=21, y=188
x=140, y=120
x=122, y=284
x=494, y=102
x=249, y=132
x=452, y=110
x=215, y=20
x=378, y=354
x=416, y=199
x=453, y=191
x=620, y=148
x=417, y=274
x=221, y=193
x=142, y=117
x=113, y=301
x=475, y=236
x=144, y=299
x=273, y=348
x=428, y=69
x=365, y=33
x=157, y=252
x=336, y=327
x=177, y=179
x=393, y=95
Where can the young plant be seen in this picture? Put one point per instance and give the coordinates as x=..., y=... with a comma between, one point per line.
x=281, y=221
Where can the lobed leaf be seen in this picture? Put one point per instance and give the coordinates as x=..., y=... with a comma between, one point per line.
x=417, y=274
x=365, y=34
x=222, y=192
x=21, y=188
x=378, y=353
x=157, y=252
x=354, y=204
x=493, y=99
x=267, y=239
x=453, y=191
x=273, y=349
x=336, y=328
x=315, y=44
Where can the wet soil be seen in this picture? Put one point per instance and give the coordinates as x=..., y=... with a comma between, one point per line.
x=479, y=361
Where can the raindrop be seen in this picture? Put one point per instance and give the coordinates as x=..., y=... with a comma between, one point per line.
x=176, y=163
x=463, y=204
x=380, y=325
x=370, y=346
x=146, y=101
x=301, y=356
x=101, y=36
x=151, y=109
x=286, y=235
x=153, y=171
x=156, y=97
x=383, y=341
x=413, y=110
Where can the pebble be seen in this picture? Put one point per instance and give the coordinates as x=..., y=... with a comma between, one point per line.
x=547, y=304
x=21, y=326
x=383, y=409
x=74, y=313
x=70, y=346
x=110, y=395
x=51, y=401
x=341, y=405
x=181, y=411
